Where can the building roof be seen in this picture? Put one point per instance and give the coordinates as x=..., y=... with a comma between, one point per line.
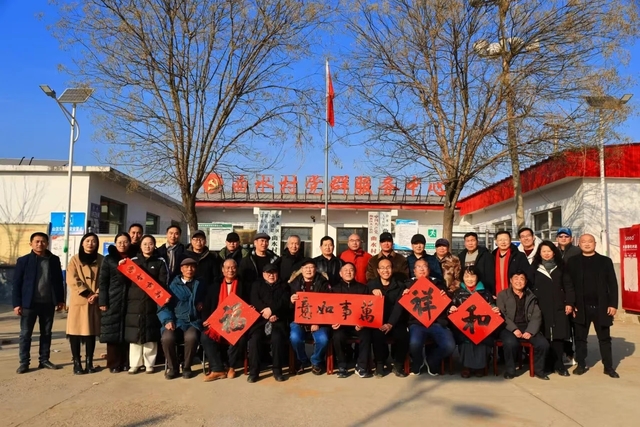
x=55, y=166
x=621, y=161
x=32, y=161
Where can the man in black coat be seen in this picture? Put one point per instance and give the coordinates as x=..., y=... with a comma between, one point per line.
x=215, y=346
x=507, y=260
x=568, y=251
x=270, y=296
x=328, y=263
x=348, y=285
x=37, y=293
x=172, y=251
x=473, y=254
x=596, y=287
x=252, y=266
x=291, y=258
x=394, y=320
x=233, y=249
x=209, y=269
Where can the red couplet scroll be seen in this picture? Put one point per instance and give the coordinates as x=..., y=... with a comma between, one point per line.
x=314, y=308
x=424, y=301
x=232, y=318
x=138, y=276
x=476, y=319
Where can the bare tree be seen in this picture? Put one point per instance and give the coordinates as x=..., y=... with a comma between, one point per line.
x=188, y=87
x=422, y=94
x=552, y=53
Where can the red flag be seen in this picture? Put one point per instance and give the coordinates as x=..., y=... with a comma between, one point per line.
x=330, y=96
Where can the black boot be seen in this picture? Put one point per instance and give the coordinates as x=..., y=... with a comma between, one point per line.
x=77, y=367
x=90, y=369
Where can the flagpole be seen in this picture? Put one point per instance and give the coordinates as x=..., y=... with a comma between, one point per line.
x=326, y=155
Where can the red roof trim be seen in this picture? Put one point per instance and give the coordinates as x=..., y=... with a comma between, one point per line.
x=315, y=205
x=621, y=161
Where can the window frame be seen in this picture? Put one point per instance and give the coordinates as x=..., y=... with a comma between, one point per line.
x=104, y=225
x=548, y=233
x=343, y=245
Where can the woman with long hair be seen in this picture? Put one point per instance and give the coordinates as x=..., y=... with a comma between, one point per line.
x=141, y=324
x=83, y=320
x=113, y=304
x=555, y=301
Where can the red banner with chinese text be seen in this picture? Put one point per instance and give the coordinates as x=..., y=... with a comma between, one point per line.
x=424, y=301
x=475, y=318
x=232, y=318
x=314, y=308
x=138, y=276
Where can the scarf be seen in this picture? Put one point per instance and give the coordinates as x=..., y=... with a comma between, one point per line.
x=549, y=265
x=211, y=333
x=502, y=274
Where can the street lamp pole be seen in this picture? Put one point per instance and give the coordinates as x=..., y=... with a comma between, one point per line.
x=72, y=96
x=604, y=103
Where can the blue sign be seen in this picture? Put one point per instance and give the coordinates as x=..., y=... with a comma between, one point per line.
x=77, y=223
x=105, y=247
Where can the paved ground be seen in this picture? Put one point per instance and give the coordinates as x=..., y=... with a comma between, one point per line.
x=57, y=398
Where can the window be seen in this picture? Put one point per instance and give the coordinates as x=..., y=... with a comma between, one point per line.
x=503, y=226
x=306, y=240
x=112, y=215
x=546, y=223
x=343, y=238
x=151, y=224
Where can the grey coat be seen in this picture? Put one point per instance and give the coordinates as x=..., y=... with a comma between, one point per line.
x=506, y=302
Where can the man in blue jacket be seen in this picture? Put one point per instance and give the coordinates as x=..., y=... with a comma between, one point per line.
x=37, y=292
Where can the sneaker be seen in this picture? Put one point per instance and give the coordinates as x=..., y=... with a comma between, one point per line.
x=568, y=360
x=426, y=365
x=342, y=373
x=363, y=373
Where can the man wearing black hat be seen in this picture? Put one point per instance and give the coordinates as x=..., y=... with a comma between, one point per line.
x=308, y=280
x=252, y=266
x=418, y=242
x=209, y=266
x=270, y=296
x=480, y=257
x=232, y=249
x=399, y=262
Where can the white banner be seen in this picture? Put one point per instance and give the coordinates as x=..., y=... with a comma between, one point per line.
x=269, y=222
x=405, y=230
x=374, y=232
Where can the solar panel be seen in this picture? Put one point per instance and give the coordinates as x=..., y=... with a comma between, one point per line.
x=75, y=95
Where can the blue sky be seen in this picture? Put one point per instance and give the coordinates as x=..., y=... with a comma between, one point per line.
x=33, y=125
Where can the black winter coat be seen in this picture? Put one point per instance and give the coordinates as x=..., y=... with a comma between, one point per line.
x=394, y=313
x=141, y=323
x=329, y=266
x=289, y=264
x=517, y=262
x=553, y=296
x=569, y=252
x=113, y=287
x=209, y=268
x=212, y=297
x=277, y=297
x=606, y=282
x=354, y=287
x=485, y=263
x=319, y=283
x=248, y=268
x=178, y=257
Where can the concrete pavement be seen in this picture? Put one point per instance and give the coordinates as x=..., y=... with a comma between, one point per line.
x=58, y=398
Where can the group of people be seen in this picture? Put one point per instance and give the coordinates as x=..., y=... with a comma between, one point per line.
x=548, y=295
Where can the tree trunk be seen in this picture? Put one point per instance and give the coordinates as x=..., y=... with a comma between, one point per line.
x=190, y=215
x=515, y=162
x=448, y=215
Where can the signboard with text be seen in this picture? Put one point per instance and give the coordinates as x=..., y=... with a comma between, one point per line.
x=629, y=245
x=313, y=308
x=77, y=223
x=269, y=222
x=405, y=230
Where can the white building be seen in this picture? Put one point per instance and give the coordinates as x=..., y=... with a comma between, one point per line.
x=103, y=200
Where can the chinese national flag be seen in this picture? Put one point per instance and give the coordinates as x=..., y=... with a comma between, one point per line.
x=330, y=96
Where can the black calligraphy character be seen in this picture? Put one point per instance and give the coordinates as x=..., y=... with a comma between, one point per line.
x=232, y=319
x=424, y=303
x=346, y=311
x=158, y=294
x=139, y=278
x=324, y=308
x=367, y=309
x=149, y=285
x=472, y=318
x=305, y=308
x=131, y=269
